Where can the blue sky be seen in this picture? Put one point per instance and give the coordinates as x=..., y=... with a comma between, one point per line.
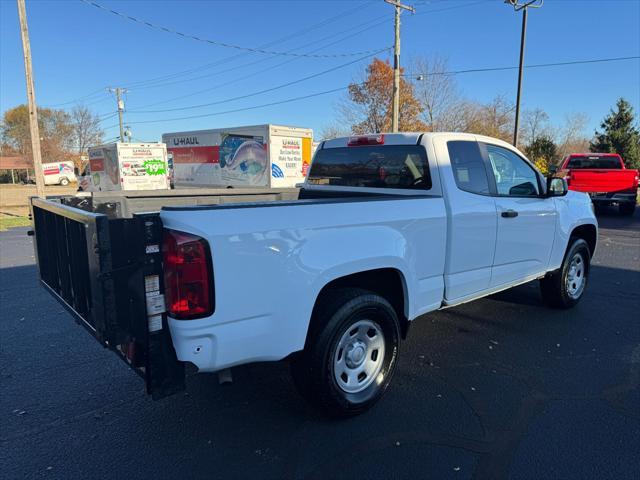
x=79, y=50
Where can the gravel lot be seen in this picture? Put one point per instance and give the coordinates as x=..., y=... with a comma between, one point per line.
x=498, y=388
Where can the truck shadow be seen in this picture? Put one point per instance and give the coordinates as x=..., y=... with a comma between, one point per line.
x=464, y=376
x=610, y=218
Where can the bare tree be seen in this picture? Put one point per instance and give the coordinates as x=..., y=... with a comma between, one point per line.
x=334, y=130
x=535, y=125
x=494, y=119
x=572, y=137
x=86, y=129
x=436, y=90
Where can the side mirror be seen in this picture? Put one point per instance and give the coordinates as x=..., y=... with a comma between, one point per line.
x=557, y=187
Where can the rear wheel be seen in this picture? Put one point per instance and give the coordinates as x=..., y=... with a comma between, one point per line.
x=350, y=354
x=564, y=288
x=64, y=181
x=627, y=208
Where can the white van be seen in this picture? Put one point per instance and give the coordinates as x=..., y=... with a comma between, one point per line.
x=58, y=173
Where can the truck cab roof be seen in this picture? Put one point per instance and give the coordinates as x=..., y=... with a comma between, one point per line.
x=406, y=138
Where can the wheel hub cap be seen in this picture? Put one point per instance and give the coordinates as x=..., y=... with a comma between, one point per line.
x=575, y=280
x=359, y=356
x=355, y=354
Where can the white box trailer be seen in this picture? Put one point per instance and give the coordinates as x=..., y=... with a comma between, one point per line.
x=127, y=166
x=269, y=156
x=58, y=173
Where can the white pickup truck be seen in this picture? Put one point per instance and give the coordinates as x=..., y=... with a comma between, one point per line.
x=386, y=228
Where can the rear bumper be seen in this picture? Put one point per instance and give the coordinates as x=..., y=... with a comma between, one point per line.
x=611, y=198
x=211, y=347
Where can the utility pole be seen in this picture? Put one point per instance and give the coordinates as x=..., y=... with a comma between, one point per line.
x=523, y=35
x=31, y=96
x=395, y=114
x=119, y=91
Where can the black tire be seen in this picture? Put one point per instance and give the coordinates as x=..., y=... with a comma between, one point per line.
x=336, y=313
x=557, y=289
x=627, y=208
x=64, y=181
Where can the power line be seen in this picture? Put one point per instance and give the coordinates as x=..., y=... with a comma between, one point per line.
x=326, y=92
x=260, y=92
x=142, y=83
x=538, y=65
x=219, y=43
x=425, y=12
x=232, y=81
x=264, y=105
x=261, y=60
x=88, y=95
x=304, y=31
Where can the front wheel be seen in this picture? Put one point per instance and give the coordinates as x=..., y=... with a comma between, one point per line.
x=564, y=288
x=64, y=182
x=350, y=354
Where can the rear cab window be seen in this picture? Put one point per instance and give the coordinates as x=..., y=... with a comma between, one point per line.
x=594, y=162
x=379, y=166
x=468, y=166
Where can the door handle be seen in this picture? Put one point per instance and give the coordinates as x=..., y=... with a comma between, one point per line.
x=509, y=214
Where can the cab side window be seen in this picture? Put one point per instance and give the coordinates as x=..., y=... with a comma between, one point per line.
x=514, y=177
x=468, y=166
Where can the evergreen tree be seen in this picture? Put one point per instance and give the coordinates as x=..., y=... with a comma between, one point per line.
x=619, y=135
x=542, y=152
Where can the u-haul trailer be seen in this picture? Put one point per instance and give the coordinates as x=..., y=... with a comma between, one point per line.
x=126, y=166
x=269, y=156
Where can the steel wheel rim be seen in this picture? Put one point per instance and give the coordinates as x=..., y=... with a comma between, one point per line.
x=576, y=276
x=359, y=356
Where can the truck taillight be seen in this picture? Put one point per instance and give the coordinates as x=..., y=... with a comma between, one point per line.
x=364, y=140
x=188, y=275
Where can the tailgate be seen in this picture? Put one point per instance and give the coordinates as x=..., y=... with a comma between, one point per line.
x=602, y=180
x=107, y=272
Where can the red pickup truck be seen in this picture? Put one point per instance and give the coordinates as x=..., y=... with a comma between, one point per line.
x=604, y=177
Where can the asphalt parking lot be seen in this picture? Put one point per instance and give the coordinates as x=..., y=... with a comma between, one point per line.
x=499, y=388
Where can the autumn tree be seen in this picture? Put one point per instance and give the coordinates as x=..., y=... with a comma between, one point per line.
x=619, y=134
x=56, y=132
x=369, y=107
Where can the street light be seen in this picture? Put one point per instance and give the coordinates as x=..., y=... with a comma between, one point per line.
x=517, y=6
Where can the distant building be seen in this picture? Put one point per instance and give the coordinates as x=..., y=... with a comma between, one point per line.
x=15, y=169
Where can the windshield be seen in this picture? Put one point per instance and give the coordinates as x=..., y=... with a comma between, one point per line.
x=584, y=162
x=391, y=166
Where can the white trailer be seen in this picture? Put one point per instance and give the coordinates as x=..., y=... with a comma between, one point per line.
x=58, y=173
x=269, y=156
x=127, y=166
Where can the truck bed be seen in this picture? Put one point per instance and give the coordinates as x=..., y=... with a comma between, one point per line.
x=100, y=256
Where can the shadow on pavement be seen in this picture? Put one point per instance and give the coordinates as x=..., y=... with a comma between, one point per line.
x=473, y=384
